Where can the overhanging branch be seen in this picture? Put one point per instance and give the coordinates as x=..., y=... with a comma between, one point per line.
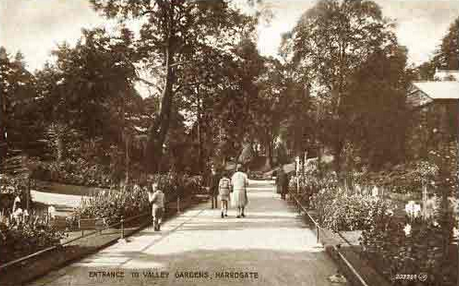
x=149, y=83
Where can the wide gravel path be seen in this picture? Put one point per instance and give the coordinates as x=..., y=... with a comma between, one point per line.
x=271, y=246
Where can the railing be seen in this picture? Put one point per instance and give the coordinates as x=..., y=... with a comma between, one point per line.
x=301, y=208
x=121, y=223
x=318, y=229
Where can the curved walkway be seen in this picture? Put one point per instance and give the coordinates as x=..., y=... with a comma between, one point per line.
x=271, y=246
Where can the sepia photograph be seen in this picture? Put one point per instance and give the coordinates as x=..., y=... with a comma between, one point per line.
x=229, y=142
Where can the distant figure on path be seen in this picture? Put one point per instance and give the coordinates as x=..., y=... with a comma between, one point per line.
x=213, y=187
x=156, y=198
x=278, y=185
x=282, y=181
x=224, y=190
x=239, y=181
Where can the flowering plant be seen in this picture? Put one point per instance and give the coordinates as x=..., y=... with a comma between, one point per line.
x=25, y=234
x=341, y=210
x=131, y=200
x=110, y=205
x=400, y=246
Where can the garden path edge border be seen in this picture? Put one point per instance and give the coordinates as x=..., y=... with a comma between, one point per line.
x=78, y=257
x=344, y=265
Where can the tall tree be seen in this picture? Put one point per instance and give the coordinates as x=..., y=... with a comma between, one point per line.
x=378, y=88
x=447, y=56
x=170, y=31
x=329, y=43
x=20, y=116
x=90, y=87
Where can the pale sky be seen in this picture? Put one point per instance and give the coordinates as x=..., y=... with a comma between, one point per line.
x=35, y=27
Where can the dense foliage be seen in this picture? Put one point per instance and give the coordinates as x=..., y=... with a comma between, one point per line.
x=132, y=200
x=79, y=172
x=346, y=53
x=25, y=234
x=404, y=178
x=408, y=246
x=340, y=210
x=112, y=205
x=12, y=187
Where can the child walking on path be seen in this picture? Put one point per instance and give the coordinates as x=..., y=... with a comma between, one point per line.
x=156, y=198
x=224, y=189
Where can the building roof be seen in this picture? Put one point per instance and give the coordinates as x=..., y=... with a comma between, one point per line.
x=439, y=89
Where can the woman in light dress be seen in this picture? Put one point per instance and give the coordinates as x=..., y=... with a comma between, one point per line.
x=239, y=182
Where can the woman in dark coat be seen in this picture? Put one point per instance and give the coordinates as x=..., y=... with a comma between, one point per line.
x=213, y=187
x=282, y=182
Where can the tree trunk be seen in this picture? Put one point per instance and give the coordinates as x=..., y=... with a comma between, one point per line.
x=158, y=130
x=270, y=153
x=60, y=147
x=3, y=118
x=337, y=160
x=201, y=169
x=127, y=159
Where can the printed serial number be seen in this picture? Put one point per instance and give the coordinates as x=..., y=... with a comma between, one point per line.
x=412, y=277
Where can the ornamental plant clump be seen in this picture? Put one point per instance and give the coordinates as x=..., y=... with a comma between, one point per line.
x=403, y=178
x=131, y=201
x=311, y=183
x=340, y=210
x=24, y=235
x=12, y=185
x=393, y=251
x=110, y=205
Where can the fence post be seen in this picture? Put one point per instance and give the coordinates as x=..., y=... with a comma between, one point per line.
x=122, y=227
x=318, y=233
x=178, y=204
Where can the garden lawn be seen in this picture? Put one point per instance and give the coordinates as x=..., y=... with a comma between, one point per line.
x=67, y=189
x=60, y=200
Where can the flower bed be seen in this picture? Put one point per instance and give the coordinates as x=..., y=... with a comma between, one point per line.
x=111, y=205
x=25, y=235
x=21, y=273
x=395, y=246
x=403, y=179
x=12, y=187
x=340, y=210
x=311, y=182
x=133, y=200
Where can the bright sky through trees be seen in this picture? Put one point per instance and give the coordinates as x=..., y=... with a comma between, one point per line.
x=35, y=27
